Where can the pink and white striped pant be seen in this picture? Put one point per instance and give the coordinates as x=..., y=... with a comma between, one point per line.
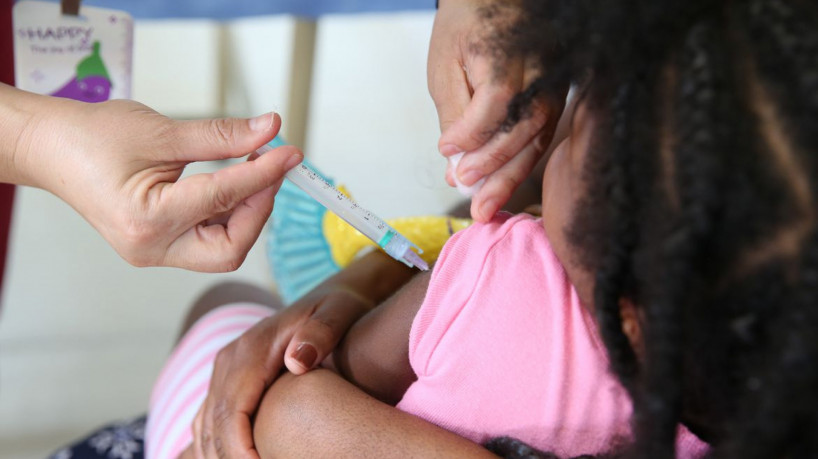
x=185, y=378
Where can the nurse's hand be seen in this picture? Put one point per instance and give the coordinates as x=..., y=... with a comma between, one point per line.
x=472, y=83
x=120, y=164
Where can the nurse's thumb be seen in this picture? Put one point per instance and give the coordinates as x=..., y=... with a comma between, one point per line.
x=222, y=138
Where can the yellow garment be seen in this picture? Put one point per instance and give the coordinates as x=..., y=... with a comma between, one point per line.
x=429, y=233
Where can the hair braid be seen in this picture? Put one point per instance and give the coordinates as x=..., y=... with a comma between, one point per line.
x=657, y=399
x=672, y=298
x=511, y=448
x=613, y=272
x=786, y=52
x=771, y=423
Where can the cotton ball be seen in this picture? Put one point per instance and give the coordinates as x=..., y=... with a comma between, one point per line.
x=467, y=191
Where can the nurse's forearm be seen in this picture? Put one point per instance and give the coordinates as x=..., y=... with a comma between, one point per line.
x=21, y=114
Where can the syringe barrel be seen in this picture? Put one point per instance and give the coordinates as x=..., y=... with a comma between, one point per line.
x=363, y=220
x=392, y=242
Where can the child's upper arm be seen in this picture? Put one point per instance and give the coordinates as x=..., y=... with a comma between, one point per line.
x=374, y=354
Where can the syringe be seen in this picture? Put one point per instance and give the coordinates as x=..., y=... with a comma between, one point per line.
x=392, y=242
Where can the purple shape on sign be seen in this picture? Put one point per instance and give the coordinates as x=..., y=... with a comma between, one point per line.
x=90, y=89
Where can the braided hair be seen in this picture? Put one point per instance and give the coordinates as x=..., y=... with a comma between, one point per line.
x=701, y=209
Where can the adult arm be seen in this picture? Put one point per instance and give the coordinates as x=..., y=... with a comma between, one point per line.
x=119, y=164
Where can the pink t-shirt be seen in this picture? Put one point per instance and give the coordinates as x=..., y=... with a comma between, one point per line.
x=501, y=346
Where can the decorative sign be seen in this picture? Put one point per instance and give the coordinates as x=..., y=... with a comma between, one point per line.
x=85, y=57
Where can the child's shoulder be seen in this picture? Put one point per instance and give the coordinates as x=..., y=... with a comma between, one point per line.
x=503, y=232
x=509, y=220
x=504, y=226
x=506, y=240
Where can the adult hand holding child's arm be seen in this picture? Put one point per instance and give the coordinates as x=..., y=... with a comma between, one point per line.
x=299, y=337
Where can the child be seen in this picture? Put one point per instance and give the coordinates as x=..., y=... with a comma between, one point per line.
x=683, y=210
x=678, y=225
x=501, y=344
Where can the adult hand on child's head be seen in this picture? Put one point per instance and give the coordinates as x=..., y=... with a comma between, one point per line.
x=472, y=83
x=300, y=336
x=119, y=164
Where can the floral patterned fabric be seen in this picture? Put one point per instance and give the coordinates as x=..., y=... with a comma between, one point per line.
x=121, y=440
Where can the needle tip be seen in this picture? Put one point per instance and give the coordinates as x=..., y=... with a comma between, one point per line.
x=415, y=260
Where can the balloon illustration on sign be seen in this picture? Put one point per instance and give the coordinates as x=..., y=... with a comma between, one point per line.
x=91, y=82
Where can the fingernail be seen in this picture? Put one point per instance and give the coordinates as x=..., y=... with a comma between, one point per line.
x=305, y=354
x=488, y=209
x=293, y=161
x=470, y=177
x=449, y=149
x=262, y=122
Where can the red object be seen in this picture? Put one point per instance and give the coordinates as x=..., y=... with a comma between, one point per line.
x=6, y=44
x=6, y=76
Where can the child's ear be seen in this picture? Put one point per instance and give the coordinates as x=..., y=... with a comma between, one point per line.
x=632, y=326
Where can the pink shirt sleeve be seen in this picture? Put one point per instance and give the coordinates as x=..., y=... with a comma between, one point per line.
x=457, y=273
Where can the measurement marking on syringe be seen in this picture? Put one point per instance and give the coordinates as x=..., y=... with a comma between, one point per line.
x=393, y=243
